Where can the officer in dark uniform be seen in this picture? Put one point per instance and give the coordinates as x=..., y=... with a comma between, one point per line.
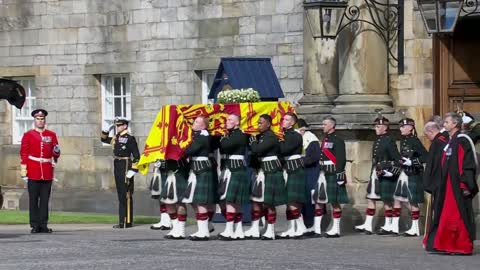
x=410, y=183
x=291, y=149
x=332, y=164
x=125, y=160
x=383, y=177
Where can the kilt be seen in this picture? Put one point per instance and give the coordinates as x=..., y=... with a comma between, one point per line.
x=336, y=194
x=387, y=188
x=238, y=190
x=414, y=193
x=275, y=193
x=296, y=187
x=180, y=184
x=206, y=189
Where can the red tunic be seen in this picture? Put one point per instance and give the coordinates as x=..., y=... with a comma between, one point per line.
x=37, y=153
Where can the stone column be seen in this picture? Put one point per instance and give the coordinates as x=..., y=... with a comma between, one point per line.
x=320, y=80
x=363, y=74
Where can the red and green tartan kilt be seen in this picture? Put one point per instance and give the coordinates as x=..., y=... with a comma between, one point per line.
x=205, y=189
x=296, y=186
x=238, y=190
x=336, y=194
x=387, y=188
x=275, y=192
x=415, y=185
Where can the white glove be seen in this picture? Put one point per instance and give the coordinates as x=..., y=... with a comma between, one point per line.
x=25, y=179
x=130, y=173
x=407, y=161
x=387, y=173
x=107, y=128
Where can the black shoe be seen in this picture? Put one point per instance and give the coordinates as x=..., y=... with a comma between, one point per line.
x=225, y=238
x=368, y=232
x=251, y=238
x=331, y=235
x=267, y=238
x=161, y=228
x=359, y=230
x=383, y=232
x=118, y=226
x=410, y=235
x=171, y=237
x=35, y=230
x=45, y=230
x=196, y=238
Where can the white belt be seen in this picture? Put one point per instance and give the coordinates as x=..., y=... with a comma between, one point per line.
x=200, y=158
x=328, y=162
x=49, y=160
x=270, y=158
x=292, y=157
x=235, y=157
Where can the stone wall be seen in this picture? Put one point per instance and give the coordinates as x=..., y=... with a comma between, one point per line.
x=161, y=44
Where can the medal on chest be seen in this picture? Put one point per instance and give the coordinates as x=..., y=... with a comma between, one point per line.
x=328, y=145
x=46, y=139
x=122, y=140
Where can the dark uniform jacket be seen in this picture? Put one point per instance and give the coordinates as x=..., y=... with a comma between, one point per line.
x=267, y=146
x=333, y=149
x=413, y=149
x=432, y=174
x=234, y=143
x=200, y=147
x=124, y=146
x=292, y=145
x=385, y=156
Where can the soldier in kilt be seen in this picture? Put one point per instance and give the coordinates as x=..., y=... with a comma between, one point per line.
x=200, y=192
x=332, y=166
x=383, y=177
x=410, y=183
x=158, y=181
x=291, y=149
x=173, y=190
x=269, y=187
x=234, y=187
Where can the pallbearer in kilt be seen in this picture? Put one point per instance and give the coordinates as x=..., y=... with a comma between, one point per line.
x=173, y=190
x=410, y=182
x=201, y=189
x=234, y=185
x=332, y=165
x=383, y=177
x=125, y=159
x=291, y=150
x=269, y=187
x=159, y=179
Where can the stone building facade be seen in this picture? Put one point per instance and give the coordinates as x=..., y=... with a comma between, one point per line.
x=82, y=56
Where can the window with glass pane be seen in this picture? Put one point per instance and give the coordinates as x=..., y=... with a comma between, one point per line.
x=208, y=76
x=116, y=97
x=22, y=121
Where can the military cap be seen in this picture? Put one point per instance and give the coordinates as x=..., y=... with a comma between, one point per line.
x=121, y=121
x=39, y=112
x=406, y=121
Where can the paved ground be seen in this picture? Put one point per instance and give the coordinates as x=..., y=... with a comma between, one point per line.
x=100, y=247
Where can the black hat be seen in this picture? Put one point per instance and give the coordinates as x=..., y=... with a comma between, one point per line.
x=406, y=121
x=39, y=112
x=13, y=92
x=380, y=120
x=302, y=123
x=121, y=121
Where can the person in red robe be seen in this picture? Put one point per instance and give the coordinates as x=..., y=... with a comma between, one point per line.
x=453, y=229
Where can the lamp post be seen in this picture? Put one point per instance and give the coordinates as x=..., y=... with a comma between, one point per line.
x=441, y=16
x=385, y=19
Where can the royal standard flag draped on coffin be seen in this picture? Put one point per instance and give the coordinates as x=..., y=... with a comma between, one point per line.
x=171, y=132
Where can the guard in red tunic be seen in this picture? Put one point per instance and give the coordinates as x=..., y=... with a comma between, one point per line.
x=453, y=226
x=39, y=153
